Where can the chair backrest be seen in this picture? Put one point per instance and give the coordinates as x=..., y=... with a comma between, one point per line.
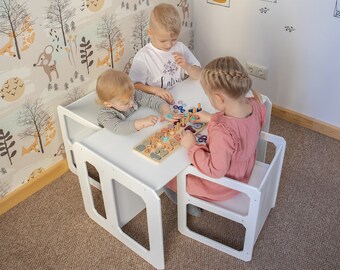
x=262, y=145
x=77, y=121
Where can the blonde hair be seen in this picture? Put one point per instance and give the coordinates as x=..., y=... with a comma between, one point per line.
x=112, y=84
x=226, y=74
x=166, y=17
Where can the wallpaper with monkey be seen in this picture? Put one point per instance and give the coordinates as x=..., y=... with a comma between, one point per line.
x=49, y=58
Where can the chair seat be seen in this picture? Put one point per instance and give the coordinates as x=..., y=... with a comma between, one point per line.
x=240, y=203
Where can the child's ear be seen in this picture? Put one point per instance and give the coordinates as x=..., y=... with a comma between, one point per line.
x=149, y=32
x=219, y=98
x=107, y=104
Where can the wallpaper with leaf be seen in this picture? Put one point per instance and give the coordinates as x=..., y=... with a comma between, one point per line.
x=51, y=52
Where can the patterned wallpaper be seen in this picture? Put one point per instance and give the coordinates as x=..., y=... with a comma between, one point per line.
x=51, y=52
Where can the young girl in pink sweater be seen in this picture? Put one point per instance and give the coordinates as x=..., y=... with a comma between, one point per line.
x=233, y=132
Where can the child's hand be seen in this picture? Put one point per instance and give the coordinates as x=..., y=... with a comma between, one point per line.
x=202, y=117
x=164, y=94
x=167, y=114
x=187, y=138
x=171, y=117
x=149, y=121
x=180, y=60
x=193, y=71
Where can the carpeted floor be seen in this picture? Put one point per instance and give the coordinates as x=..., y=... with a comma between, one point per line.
x=50, y=230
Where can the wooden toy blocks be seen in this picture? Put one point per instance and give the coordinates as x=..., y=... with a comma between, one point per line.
x=165, y=141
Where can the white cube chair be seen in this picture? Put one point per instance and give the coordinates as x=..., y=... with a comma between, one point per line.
x=249, y=208
x=78, y=120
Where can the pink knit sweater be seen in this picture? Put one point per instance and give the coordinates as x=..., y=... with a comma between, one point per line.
x=230, y=151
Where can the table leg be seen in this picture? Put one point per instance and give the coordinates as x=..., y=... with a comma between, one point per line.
x=110, y=175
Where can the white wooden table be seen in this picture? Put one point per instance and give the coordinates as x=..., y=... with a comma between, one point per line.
x=129, y=182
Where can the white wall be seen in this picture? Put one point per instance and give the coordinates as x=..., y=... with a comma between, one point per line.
x=304, y=65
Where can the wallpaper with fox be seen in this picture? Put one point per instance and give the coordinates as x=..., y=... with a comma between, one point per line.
x=51, y=52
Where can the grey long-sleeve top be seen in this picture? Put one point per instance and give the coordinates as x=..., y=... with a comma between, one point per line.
x=117, y=122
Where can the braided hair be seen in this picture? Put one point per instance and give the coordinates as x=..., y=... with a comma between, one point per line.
x=227, y=75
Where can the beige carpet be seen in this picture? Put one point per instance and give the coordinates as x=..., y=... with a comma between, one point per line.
x=50, y=230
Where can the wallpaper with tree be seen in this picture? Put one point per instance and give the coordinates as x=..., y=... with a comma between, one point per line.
x=51, y=52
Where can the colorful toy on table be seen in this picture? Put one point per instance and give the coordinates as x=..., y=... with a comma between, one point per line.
x=164, y=142
x=200, y=138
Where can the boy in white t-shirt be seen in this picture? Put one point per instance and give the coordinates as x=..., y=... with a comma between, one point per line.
x=164, y=61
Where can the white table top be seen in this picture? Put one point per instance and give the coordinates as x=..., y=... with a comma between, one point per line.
x=118, y=149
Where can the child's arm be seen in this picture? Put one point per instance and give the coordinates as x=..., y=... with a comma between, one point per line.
x=111, y=121
x=187, y=139
x=213, y=159
x=169, y=115
x=149, y=121
x=193, y=71
x=202, y=117
x=139, y=73
x=155, y=90
x=155, y=103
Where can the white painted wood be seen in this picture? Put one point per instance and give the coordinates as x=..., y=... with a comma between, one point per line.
x=249, y=208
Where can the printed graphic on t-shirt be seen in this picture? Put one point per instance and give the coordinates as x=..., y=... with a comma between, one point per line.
x=337, y=10
x=169, y=78
x=170, y=68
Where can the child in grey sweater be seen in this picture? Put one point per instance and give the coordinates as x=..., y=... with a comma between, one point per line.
x=116, y=93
